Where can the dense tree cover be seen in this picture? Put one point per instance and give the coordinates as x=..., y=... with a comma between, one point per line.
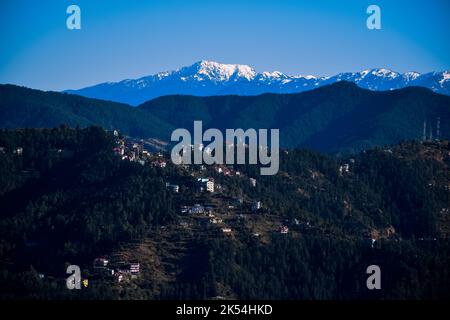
x=383, y=188
x=336, y=118
x=21, y=107
x=82, y=201
x=327, y=268
x=66, y=198
x=412, y=189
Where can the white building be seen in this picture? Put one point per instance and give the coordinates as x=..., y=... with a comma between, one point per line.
x=256, y=205
x=18, y=151
x=345, y=168
x=134, y=268
x=206, y=184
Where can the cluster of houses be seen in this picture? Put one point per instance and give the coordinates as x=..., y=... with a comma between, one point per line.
x=134, y=151
x=119, y=271
x=196, y=209
x=206, y=211
x=226, y=171
x=160, y=163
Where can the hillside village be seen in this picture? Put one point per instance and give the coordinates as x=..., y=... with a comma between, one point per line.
x=212, y=203
x=206, y=206
x=150, y=228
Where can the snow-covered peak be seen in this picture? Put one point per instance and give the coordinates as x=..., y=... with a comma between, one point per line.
x=275, y=75
x=445, y=77
x=385, y=73
x=164, y=74
x=364, y=73
x=220, y=72
x=213, y=78
x=307, y=77
x=412, y=75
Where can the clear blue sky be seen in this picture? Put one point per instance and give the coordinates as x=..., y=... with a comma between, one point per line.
x=123, y=39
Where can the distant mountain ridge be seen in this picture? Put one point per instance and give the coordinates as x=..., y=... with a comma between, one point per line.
x=22, y=107
x=340, y=117
x=209, y=78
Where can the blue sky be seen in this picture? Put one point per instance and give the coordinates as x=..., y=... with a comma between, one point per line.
x=123, y=39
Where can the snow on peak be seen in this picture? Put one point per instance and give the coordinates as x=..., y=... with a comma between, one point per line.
x=307, y=77
x=199, y=74
x=386, y=73
x=222, y=72
x=445, y=77
x=275, y=75
x=411, y=75
x=364, y=73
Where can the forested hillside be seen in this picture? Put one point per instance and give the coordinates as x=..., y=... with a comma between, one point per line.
x=21, y=107
x=68, y=197
x=338, y=118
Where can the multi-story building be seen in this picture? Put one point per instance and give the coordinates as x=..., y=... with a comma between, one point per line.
x=206, y=184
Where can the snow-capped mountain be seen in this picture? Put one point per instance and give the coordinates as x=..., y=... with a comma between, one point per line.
x=208, y=78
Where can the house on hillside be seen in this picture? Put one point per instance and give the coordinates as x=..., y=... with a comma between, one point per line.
x=215, y=220
x=256, y=205
x=174, y=187
x=344, y=169
x=145, y=153
x=132, y=268
x=135, y=267
x=206, y=184
x=197, y=208
x=284, y=230
x=18, y=151
x=118, y=276
x=159, y=163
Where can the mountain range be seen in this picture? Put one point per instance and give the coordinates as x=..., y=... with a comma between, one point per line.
x=340, y=117
x=209, y=78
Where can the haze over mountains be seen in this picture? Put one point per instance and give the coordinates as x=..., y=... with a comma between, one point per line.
x=209, y=78
x=340, y=117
